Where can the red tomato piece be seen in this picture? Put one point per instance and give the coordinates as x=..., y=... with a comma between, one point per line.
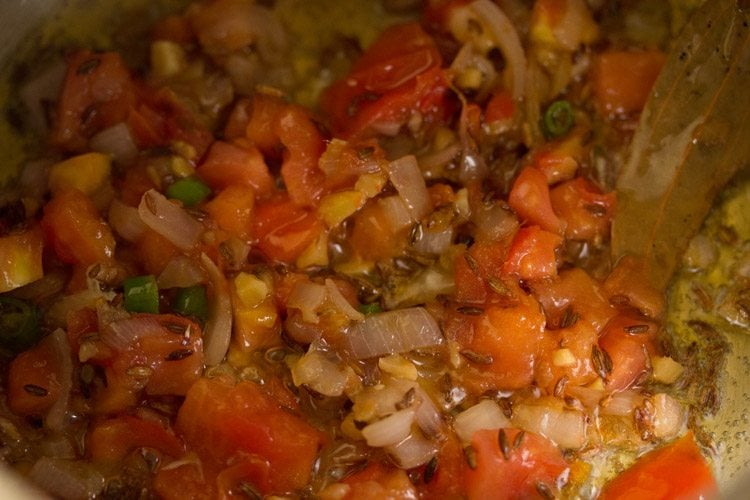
x=236, y=164
x=113, y=439
x=97, y=93
x=578, y=339
x=188, y=481
x=223, y=422
x=233, y=210
x=623, y=80
x=34, y=380
x=284, y=229
x=677, y=470
x=627, y=340
x=21, y=258
x=536, y=461
x=154, y=251
x=377, y=482
x=450, y=467
x=532, y=254
x=500, y=107
x=585, y=210
x=474, y=270
x=77, y=233
x=529, y=198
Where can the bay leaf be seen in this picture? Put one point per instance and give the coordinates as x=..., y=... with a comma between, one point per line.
x=693, y=136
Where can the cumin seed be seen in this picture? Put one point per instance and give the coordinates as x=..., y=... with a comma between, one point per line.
x=470, y=310
x=499, y=287
x=560, y=386
x=179, y=354
x=407, y=400
x=249, y=490
x=518, y=440
x=544, y=490
x=88, y=66
x=569, y=318
x=472, y=263
x=502, y=442
x=477, y=358
x=471, y=457
x=430, y=469
x=35, y=390
x=601, y=361
x=150, y=202
x=635, y=329
x=416, y=233
x=366, y=152
x=175, y=328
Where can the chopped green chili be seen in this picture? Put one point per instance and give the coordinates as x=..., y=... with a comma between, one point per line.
x=558, y=119
x=19, y=324
x=141, y=294
x=190, y=191
x=192, y=301
x=370, y=308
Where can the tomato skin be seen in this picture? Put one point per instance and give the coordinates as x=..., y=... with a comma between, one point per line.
x=284, y=229
x=536, y=460
x=532, y=254
x=98, y=92
x=530, y=199
x=77, y=233
x=223, y=421
x=585, y=210
x=629, y=352
x=677, y=470
x=113, y=439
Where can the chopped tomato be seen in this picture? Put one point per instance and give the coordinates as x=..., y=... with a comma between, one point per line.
x=77, y=233
x=303, y=145
x=501, y=345
x=444, y=480
x=622, y=81
x=397, y=76
x=534, y=464
x=373, y=236
x=79, y=323
x=236, y=164
x=232, y=209
x=529, y=198
x=97, y=93
x=224, y=422
x=628, y=341
x=500, y=107
x=34, y=380
x=585, y=210
x=154, y=251
x=478, y=273
x=284, y=229
x=377, y=482
x=558, y=160
x=134, y=184
x=532, y=254
x=629, y=283
x=184, y=481
x=21, y=258
x=113, y=439
x=677, y=470
x=264, y=112
x=566, y=353
x=575, y=294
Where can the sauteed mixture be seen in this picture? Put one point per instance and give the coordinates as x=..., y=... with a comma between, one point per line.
x=364, y=263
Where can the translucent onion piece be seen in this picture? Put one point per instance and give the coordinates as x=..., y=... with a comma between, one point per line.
x=126, y=221
x=319, y=374
x=124, y=333
x=393, y=332
x=56, y=417
x=484, y=415
x=413, y=451
x=506, y=36
x=218, y=331
x=67, y=479
x=341, y=303
x=668, y=418
x=45, y=87
x=181, y=272
x=396, y=212
x=307, y=297
x=58, y=312
x=428, y=416
x=169, y=220
x=391, y=430
x=117, y=141
x=407, y=178
x=621, y=403
x=434, y=242
x=567, y=428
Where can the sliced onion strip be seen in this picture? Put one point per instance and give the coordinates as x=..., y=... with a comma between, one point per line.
x=116, y=141
x=391, y=430
x=341, y=303
x=407, y=178
x=181, y=272
x=393, y=332
x=56, y=417
x=218, y=331
x=126, y=221
x=413, y=451
x=484, y=415
x=169, y=220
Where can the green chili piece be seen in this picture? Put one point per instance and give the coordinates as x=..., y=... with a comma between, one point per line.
x=141, y=294
x=192, y=301
x=19, y=324
x=370, y=308
x=190, y=191
x=558, y=119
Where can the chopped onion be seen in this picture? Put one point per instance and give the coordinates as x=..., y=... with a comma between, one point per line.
x=666, y=370
x=407, y=178
x=67, y=479
x=396, y=212
x=33, y=180
x=440, y=158
x=668, y=416
x=123, y=333
x=484, y=415
x=381, y=400
x=307, y=297
x=218, y=331
x=621, y=403
x=393, y=332
x=58, y=312
x=506, y=36
x=341, y=303
x=56, y=416
x=116, y=141
x=126, y=221
x=181, y=272
x=169, y=220
x=565, y=427
x=413, y=451
x=428, y=416
x=391, y=430
x=495, y=223
x=434, y=242
x=320, y=374
x=44, y=88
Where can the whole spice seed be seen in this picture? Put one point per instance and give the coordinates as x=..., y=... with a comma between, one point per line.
x=179, y=354
x=407, y=400
x=430, y=469
x=560, y=386
x=470, y=310
x=636, y=329
x=502, y=442
x=88, y=66
x=472, y=263
x=518, y=440
x=476, y=357
x=499, y=287
x=544, y=491
x=601, y=361
x=249, y=491
x=569, y=318
x=35, y=390
x=416, y=233
x=471, y=457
